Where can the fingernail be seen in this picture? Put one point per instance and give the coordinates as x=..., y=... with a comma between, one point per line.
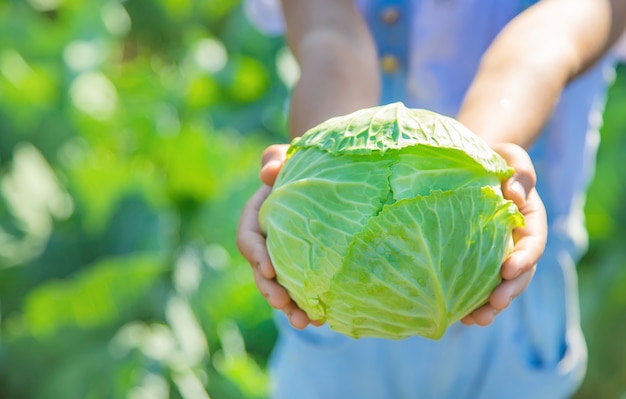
x=517, y=188
x=271, y=164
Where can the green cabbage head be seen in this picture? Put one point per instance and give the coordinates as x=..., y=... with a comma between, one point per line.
x=389, y=222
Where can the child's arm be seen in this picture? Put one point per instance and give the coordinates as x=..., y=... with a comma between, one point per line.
x=526, y=68
x=513, y=94
x=337, y=58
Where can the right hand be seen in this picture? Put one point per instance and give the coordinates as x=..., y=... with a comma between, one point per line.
x=251, y=241
x=519, y=267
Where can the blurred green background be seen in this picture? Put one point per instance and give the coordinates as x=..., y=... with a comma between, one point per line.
x=130, y=138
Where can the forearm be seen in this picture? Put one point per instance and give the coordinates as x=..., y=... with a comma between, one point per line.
x=337, y=58
x=524, y=72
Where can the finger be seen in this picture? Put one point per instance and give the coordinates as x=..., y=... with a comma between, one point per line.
x=517, y=158
x=271, y=162
x=524, y=179
x=508, y=290
x=530, y=240
x=275, y=294
x=468, y=320
x=297, y=317
x=499, y=300
x=278, y=297
x=274, y=152
x=484, y=315
x=269, y=172
x=250, y=239
x=514, y=190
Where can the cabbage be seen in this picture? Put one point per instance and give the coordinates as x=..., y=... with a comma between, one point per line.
x=389, y=222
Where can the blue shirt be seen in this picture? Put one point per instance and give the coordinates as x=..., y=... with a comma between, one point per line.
x=429, y=52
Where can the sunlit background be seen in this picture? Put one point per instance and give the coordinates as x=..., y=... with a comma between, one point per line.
x=130, y=137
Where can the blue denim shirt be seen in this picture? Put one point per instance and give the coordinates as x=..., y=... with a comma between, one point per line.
x=429, y=52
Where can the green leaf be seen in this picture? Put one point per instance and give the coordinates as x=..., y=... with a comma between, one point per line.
x=96, y=296
x=394, y=127
x=423, y=168
x=422, y=264
x=322, y=213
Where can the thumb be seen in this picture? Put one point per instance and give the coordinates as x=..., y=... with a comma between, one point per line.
x=518, y=187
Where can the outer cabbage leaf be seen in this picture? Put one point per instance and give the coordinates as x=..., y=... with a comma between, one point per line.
x=422, y=264
x=393, y=127
x=421, y=169
x=310, y=222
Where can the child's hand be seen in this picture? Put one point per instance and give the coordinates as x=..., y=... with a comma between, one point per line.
x=519, y=267
x=251, y=242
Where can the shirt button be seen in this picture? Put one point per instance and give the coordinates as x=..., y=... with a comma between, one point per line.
x=389, y=63
x=390, y=15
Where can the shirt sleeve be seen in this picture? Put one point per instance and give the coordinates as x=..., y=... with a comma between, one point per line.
x=266, y=16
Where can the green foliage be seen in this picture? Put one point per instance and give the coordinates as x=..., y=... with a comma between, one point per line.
x=603, y=270
x=130, y=138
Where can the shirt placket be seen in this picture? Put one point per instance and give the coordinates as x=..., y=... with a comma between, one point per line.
x=389, y=23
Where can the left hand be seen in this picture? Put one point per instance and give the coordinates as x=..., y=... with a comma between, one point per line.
x=519, y=267
x=251, y=242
